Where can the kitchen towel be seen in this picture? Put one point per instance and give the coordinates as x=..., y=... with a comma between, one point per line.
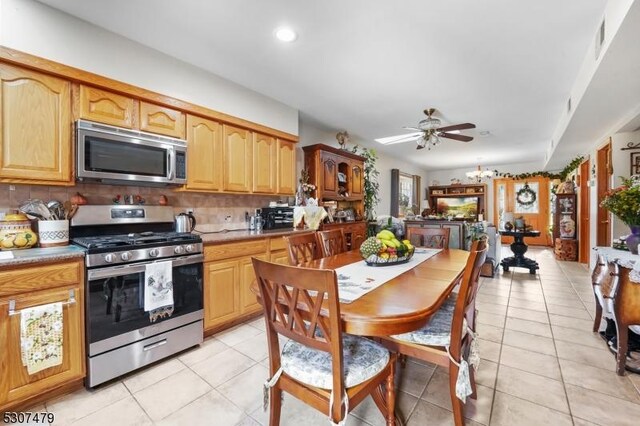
x=158, y=290
x=41, y=337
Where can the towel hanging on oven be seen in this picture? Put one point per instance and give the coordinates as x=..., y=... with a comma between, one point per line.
x=158, y=290
x=41, y=336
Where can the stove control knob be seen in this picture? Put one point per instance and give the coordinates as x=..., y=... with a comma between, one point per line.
x=126, y=256
x=109, y=258
x=154, y=252
x=178, y=250
x=188, y=248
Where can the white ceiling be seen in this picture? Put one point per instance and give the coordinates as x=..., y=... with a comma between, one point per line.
x=372, y=66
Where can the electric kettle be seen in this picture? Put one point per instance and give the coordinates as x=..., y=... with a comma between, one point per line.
x=185, y=222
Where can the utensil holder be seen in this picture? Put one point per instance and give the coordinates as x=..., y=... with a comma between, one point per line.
x=53, y=233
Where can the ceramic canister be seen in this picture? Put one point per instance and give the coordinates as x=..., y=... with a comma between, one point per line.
x=16, y=233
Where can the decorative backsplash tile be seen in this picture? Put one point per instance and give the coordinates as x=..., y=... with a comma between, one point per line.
x=209, y=209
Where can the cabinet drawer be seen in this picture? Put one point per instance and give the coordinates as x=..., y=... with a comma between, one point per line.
x=226, y=251
x=278, y=243
x=32, y=278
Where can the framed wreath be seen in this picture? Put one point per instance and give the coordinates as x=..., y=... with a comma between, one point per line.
x=525, y=196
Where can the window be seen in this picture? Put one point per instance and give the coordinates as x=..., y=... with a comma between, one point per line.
x=405, y=193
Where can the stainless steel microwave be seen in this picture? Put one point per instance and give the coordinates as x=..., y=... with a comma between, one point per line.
x=115, y=155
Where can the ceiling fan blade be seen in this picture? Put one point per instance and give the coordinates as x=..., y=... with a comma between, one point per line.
x=463, y=126
x=407, y=139
x=461, y=138
x=398, y=138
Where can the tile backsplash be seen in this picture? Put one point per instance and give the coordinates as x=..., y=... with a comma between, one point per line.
x=210, y=210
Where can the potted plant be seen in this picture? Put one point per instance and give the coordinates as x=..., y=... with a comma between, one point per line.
x=371, y=185
x=624, y=202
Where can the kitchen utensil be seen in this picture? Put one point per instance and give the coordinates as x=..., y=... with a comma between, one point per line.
x=72, y=211
x=36, y=208
x=185, y=222
x=56, y=209
x=16, y=233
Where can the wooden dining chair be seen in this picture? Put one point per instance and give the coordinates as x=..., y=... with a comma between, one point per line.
x=448, y=339
x=429, y=237
x=332, y=242
x=303, y=248
x=323, y=367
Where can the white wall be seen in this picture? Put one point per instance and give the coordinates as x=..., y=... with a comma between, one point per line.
x=444, y=178
x=34, y=28
x=621, y=167
x=312, y=133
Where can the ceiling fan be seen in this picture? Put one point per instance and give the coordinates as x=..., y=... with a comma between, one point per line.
x=429, y=132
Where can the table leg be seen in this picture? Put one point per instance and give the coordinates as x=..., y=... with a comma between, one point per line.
x=519, y=248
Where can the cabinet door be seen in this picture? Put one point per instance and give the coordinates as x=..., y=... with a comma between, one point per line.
x=204, y=161
x=17, y=384
x=329, y=175
x=357, y=180
x=221, y=295
x=162, y=120
x=358, y=235
x=106, y=107
x=237, y=159
x=35, y=141
x=280, y=256
x=286, y=167
x=265, y=162
x=248, y=301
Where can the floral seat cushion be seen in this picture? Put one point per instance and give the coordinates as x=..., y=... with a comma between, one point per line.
x=437, y=332
x=362, y=357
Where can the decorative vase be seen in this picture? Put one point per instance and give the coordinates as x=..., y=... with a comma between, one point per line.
x=567, y=227
x=508, y=226
x=633, y=239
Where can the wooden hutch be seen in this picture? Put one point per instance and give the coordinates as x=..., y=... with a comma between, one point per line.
x=456, y=191
x=339, y=177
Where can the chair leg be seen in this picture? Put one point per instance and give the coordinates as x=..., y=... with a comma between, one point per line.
x=456, y=404
x=275, y=405
x=403, y=360
x=598, y=319
x=391, y=394
x=623, y=339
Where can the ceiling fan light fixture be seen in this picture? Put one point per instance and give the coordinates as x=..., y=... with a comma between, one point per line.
x=429, y=123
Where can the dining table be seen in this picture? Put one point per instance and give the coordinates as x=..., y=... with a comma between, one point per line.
x=404, y=303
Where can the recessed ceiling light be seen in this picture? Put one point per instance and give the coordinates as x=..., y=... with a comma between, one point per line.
x=286, y=34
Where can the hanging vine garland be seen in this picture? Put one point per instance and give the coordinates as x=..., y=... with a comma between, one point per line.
x=525, y=196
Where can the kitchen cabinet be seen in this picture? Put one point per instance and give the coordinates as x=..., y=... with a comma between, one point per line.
x=237, y=155
x=204, y=162
x=221, y=292
x=162, y=120
x=356, y=178
x=30, y=286
x=35, y=121
x=107, y=107
x=248, y=301
x=286, y=167
x=329, y=175
x=265, y=164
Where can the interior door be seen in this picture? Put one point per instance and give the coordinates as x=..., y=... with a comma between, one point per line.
x=604, y=171
x=583, y=212
x=535, y=214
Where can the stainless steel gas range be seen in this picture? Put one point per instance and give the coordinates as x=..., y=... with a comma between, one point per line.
x=121, y=243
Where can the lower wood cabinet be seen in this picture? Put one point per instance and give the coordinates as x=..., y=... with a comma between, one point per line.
x=221, y=292
x=248, y=300
x=30, y=286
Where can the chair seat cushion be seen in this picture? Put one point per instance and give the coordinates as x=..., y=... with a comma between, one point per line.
x=362, y=357
x=437, y=332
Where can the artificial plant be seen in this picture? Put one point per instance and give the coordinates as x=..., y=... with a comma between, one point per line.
x=371, y=185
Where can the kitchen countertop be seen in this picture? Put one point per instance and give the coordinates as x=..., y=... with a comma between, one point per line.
x=37, y=255
x=245, y=234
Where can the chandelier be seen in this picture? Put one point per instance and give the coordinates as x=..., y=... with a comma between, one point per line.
x=479, y=175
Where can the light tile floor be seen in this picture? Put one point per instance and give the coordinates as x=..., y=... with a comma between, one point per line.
x=541, y=365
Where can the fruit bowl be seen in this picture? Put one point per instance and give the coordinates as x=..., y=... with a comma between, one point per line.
x=378, y=260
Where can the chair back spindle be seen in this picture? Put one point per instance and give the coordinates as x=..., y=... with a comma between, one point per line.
x=332, y=242
x=429, y=237
x=302, y=248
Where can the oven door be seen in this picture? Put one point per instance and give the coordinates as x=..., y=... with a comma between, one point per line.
x=115, y=303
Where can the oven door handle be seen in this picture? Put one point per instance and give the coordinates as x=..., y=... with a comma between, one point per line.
x=116, y=271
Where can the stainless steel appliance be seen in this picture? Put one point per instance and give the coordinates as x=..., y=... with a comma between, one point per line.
x=115, y=155
x=277, y=217
x=185, y=222
x=120, y=242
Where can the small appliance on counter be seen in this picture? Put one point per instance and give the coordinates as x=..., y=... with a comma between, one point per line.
x=277, y=217
x=185, y=222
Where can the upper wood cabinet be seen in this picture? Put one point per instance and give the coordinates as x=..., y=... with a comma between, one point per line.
x=35, y=124
x=106, y=107
x=204, y=161
x=329, y=174
x=356, y=179
x=265, y=164
x=237, y=144
x=163, y=120
x=286, y=167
